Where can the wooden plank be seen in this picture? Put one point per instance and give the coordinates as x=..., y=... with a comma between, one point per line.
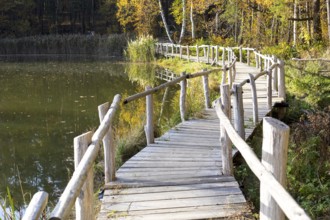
x=198, y=212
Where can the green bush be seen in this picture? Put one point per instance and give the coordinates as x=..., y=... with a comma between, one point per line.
x=141, y=49
x=309, y=164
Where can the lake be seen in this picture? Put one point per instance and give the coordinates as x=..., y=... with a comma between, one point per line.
x=44, y=105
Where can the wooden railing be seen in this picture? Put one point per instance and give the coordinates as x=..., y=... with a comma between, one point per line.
x=87, y=146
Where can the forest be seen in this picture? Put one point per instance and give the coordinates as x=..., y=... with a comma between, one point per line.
x=249, y=22
x=285, y=28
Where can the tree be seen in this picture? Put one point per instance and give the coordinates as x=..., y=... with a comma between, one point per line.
x=164, y=21
x=317, y=30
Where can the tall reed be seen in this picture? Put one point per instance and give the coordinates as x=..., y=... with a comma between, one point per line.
x=141, y=49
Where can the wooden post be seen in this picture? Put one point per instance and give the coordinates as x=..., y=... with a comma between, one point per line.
x=254, y=99
x=197, y=53
x=234, y=71
x=274, y=158
x=230, y=76
x=206, y=90
x=212, y=53
x=204, y=52
x=281, y=80
x=265, y=63
x=216, y=54
x=238, y=110
x=149, y=127
x=275, y=73
x=208, y=54
x=257, y=60
x=188, y=53
x=223, y=56
x=108, y=147
x=36, y=206
x=240, y=54
x=248, y=57
x=224, y=75
x=269, y=90
x=183, y=93
x=172, y=49
x=84, y=202
x=180, y=49
x=225, y=142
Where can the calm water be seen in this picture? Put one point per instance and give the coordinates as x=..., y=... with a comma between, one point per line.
x=43, y=106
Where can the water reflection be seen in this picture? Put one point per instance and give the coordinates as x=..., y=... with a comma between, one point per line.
x=43, y=106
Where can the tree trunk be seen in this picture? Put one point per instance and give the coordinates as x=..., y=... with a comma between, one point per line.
x=216, y=22
x=317, y=31
x=328, y=15
x=192, y=21
x=183, y=28
x=164, y=21
x=295, y=23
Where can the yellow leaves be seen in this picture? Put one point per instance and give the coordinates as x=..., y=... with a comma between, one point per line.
x=139, y=13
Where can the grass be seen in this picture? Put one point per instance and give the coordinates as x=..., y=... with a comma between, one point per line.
x=308, y=156
x=71, y=44
x=141, y=49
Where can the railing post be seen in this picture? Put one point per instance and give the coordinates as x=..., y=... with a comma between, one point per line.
x=240, y=54
x=180, y=49
x=234, y=71
x=108, y=147
x=260, y=62
x=229, y=55
x=225, y=142
x=254, y=99
x=84, y=202
x=188, y=53
x=36, y=206
x=248, y=57
x=183, y=93
x=269, y=90
x=212, y=53
x=274, y=158
x=206, y=90
x=238, y=110
x=281, y=80
x=217, y=54
x=172, y=49
x=257, y=59
x=224, y=75
x=197, y=53
x=204, y=51
x=275, y=73
x=230, y=75
x=149, y=127
x=223, y=56
x=208, y=54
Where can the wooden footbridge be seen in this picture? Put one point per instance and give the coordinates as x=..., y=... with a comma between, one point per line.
x=187, y=173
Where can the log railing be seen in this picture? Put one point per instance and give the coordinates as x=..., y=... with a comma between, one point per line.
x=87, y=146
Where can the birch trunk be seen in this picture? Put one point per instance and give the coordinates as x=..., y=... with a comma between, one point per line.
x=192, y=21
x=183, y=28
x=164, y=21
x=295, y=23
x=328, y=16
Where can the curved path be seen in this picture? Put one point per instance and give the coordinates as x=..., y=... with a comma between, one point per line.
x=179, y=176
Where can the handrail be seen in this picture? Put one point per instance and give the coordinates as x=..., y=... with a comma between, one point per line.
x=75, y=184
x=72, y=190
x=290, y=207
x=37, y=205
x=167, y=84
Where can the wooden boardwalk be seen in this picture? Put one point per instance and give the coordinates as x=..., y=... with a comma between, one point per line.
x=179, y=176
